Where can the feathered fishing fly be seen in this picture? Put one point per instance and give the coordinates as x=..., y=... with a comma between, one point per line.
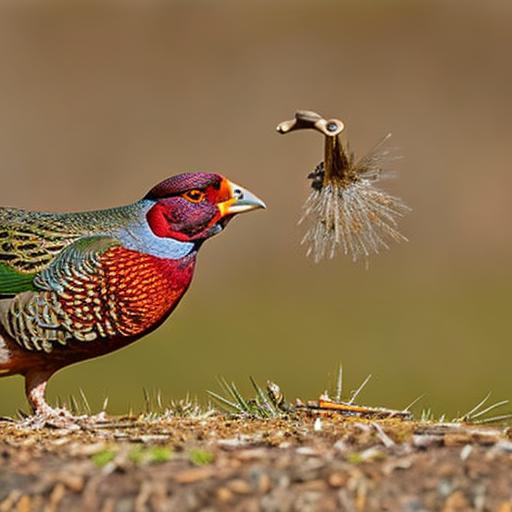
x=346, y=210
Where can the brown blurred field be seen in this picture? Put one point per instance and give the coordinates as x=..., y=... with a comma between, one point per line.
x=101, y=100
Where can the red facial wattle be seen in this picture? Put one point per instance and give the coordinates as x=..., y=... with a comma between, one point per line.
x=176, y=218
x=189, y=209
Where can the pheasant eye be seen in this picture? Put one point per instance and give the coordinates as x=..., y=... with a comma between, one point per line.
x=194, y=196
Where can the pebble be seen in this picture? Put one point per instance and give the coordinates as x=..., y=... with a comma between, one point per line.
x=74, y=483
x=425, y=440
x=264, y=483
x=313, y=486
x=340, y=445
x=456, y=502
x=337, y=480
x=251, y=454
x=306, y=450
x=24, y=504
x=466, y=452
x=505, y=446
x=456, y=438
x=234, y=442
x=224, y=494
x=239, y=486
x=193, y=475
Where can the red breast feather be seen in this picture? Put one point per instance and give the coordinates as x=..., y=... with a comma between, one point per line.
x=133, y=293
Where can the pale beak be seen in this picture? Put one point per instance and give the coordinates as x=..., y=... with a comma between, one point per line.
x=241, y=201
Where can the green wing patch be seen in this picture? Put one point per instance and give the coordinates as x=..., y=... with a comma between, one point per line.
x=13, y=282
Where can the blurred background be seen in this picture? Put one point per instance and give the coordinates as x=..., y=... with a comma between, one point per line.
x=101, y=100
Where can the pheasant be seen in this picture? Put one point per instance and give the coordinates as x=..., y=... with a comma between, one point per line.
x=74, y=286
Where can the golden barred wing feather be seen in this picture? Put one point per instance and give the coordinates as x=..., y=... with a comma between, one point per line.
x=29, y=241
x=37, y=320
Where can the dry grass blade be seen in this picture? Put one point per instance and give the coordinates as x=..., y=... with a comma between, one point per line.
x=489, y=409
x=234, y=402
x=495, y=419
x=475, y=415
x=22, y=415
x=339, y=384
x=85, y=402
x=147, y=401
x=238, y=396
x=188, y=408
x=267, y=407
x=73, y=405
x=413, y=403
x=475, y=408
x=359, y=389
x=224, y=402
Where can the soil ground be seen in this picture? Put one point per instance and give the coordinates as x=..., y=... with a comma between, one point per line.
x=308, y=462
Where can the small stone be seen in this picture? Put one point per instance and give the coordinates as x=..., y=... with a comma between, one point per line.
x=340, y=445
x=313, y=486
x=264, y=483
x=466, y=452
x=371, y=454
x=74, y=483
x=504, y=446
x=456, y=502
x=486, y=438
x=306, y=450
x=24, y=504
x=456, y=439
x=251, y=454
x=239, y=486
x=224, y=494
x=336, y=480
x=401, y=463
x=189, y=476
x=425, y=440
x=506, y=506
x=56, y=496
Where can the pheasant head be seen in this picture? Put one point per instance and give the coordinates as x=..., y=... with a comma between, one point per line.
x=192, y=207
